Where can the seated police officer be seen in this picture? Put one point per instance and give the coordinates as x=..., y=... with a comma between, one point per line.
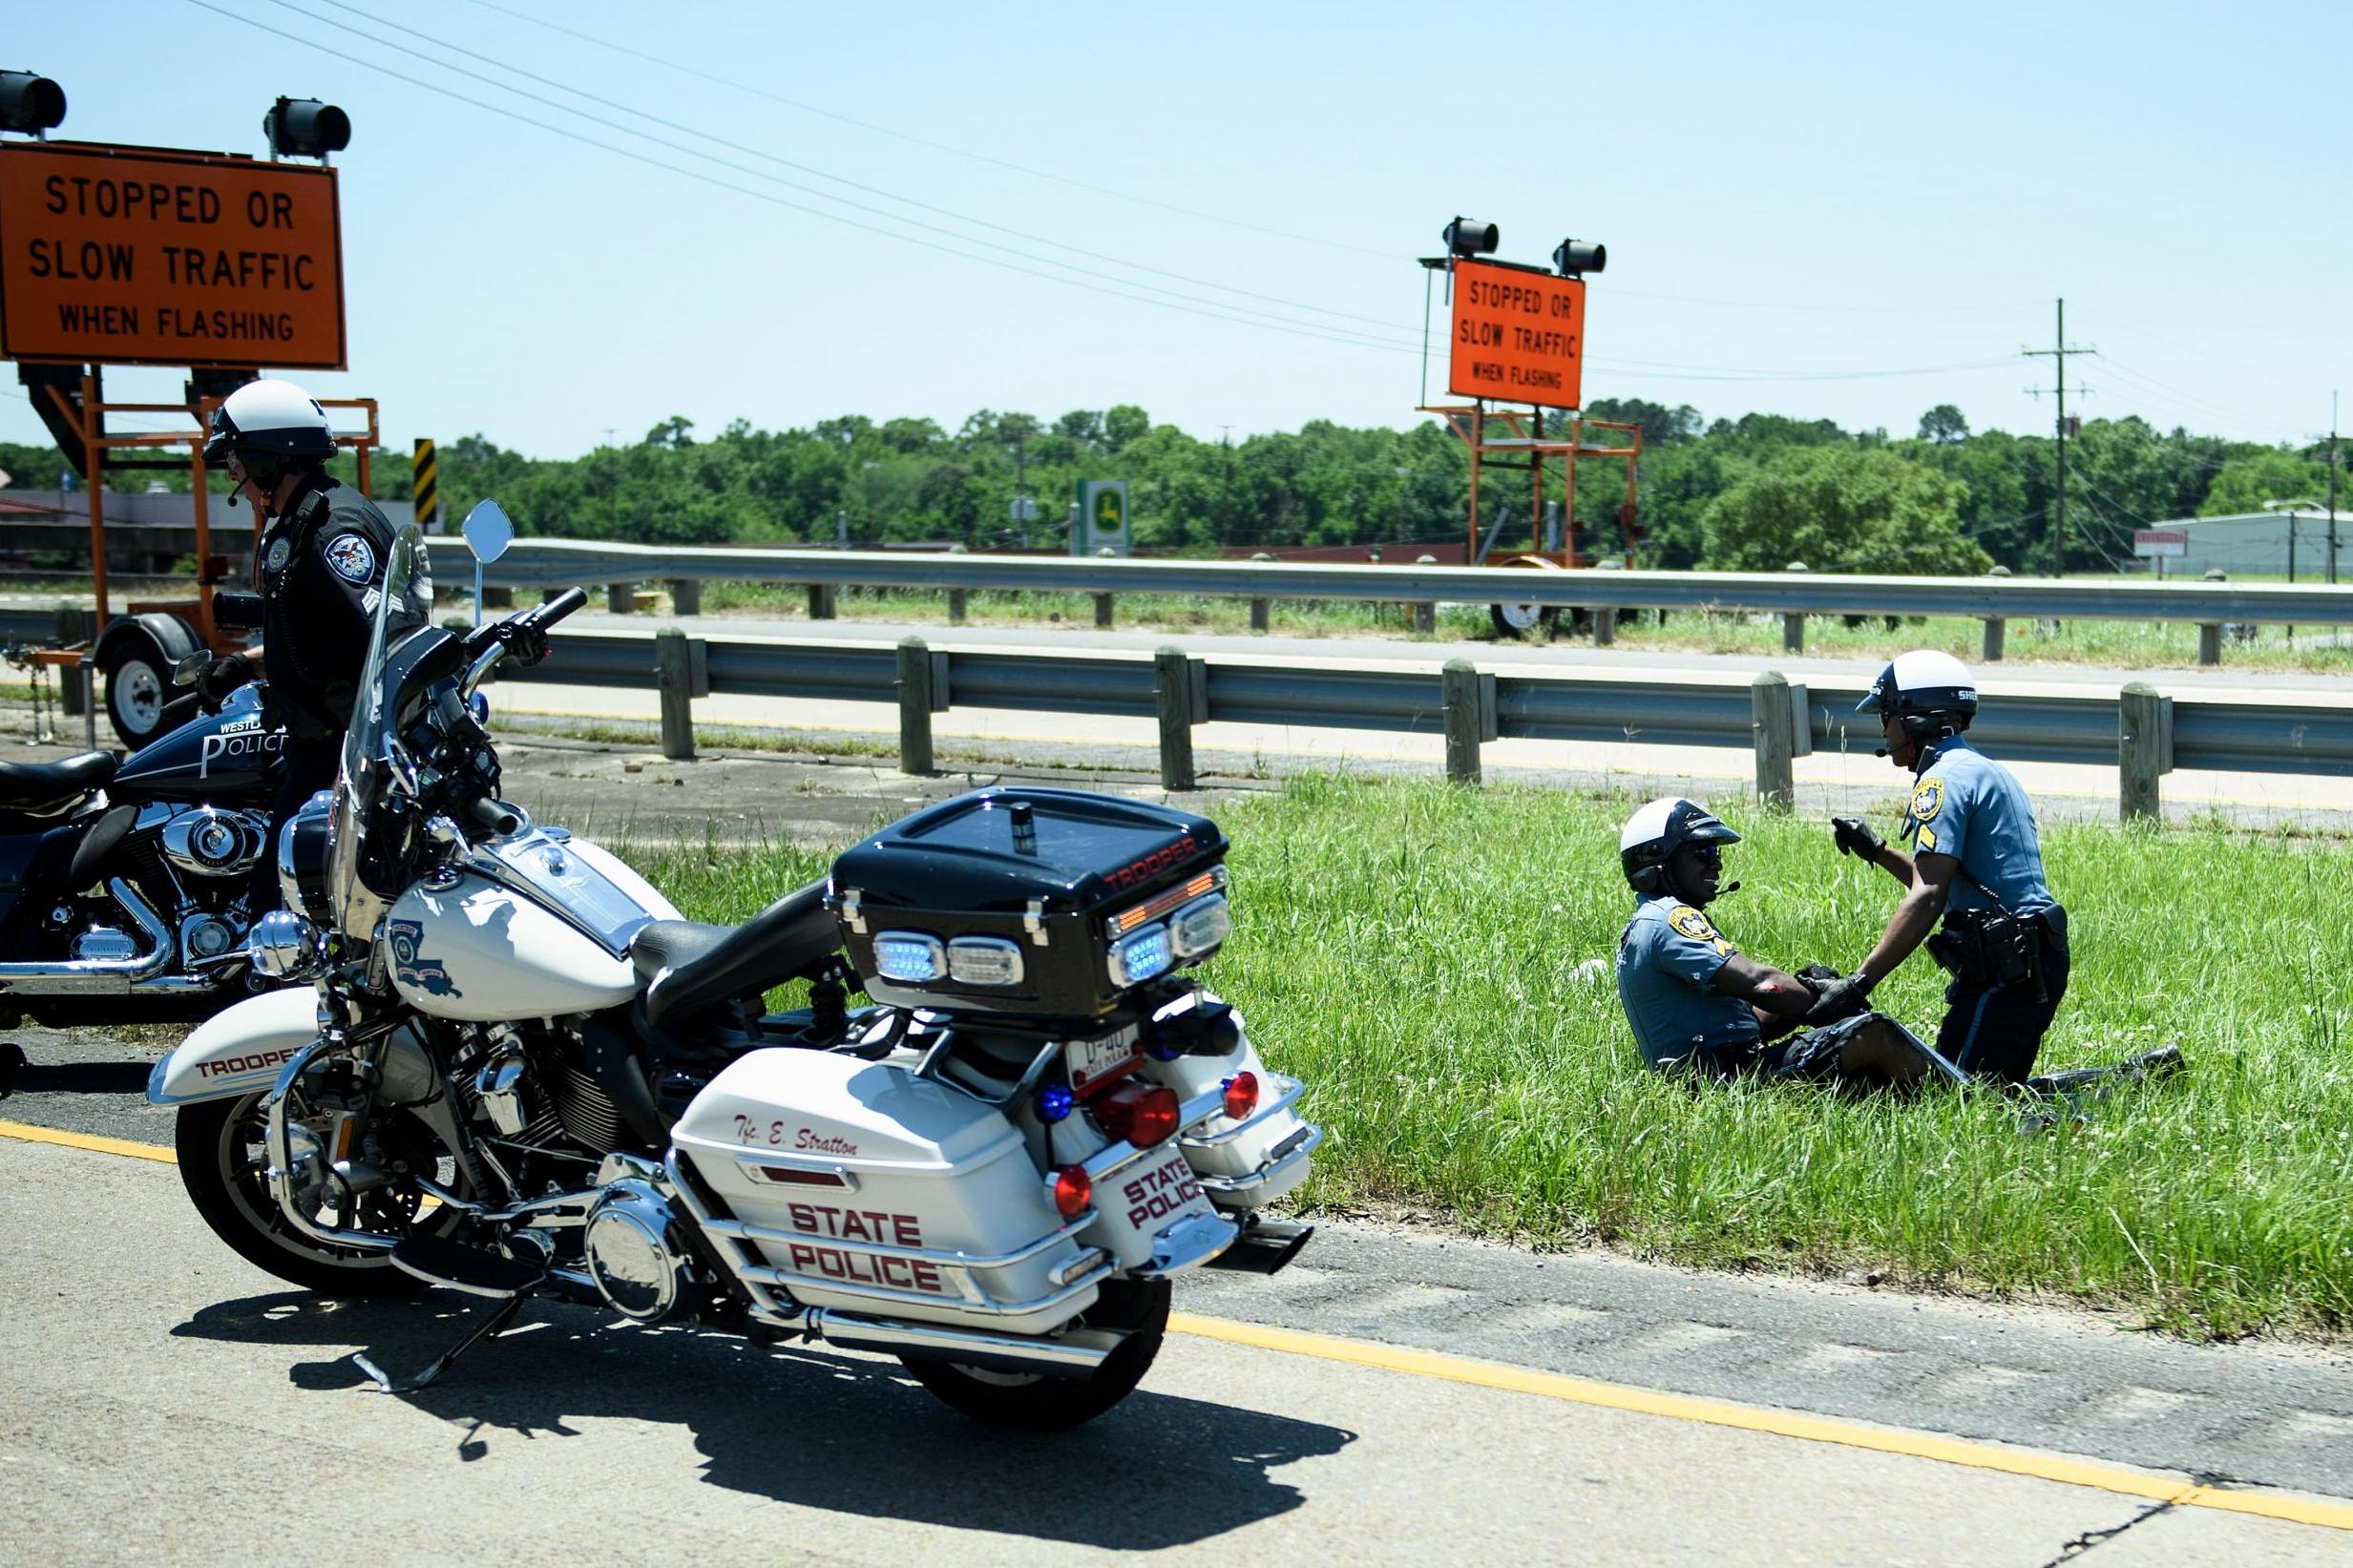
x=1694, y=1000
x=323, y=554
x=1977, y=861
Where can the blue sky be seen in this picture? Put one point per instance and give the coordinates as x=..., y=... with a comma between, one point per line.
x=1796, y=203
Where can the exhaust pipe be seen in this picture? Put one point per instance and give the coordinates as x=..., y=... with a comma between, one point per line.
x=938, y=1341
x=101, y=974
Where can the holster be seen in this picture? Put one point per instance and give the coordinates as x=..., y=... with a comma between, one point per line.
x=1986, y=947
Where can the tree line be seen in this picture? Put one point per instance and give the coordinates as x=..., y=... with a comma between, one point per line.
x=1738, y=495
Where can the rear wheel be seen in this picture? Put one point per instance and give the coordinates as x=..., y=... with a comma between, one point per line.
x=1033, y=1402
x=223, y=1148
x=135, y=689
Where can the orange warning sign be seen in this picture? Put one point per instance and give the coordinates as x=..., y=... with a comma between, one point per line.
x=1519, y=336
x=145, y=256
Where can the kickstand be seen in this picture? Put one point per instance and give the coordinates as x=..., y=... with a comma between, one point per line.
x=487, y=1329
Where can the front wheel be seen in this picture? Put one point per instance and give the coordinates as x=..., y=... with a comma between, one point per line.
x=223, y=1148
x=1033, y=1402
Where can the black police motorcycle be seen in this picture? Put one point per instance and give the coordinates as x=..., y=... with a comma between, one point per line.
x=124, y=888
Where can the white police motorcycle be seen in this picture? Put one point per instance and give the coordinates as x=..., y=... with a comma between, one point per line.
x=518, y=1072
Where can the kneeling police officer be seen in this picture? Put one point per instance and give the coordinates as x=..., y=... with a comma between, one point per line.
x=1977, y=859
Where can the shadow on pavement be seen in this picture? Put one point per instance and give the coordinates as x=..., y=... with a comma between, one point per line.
x=78, y=1077
x=850, y=1435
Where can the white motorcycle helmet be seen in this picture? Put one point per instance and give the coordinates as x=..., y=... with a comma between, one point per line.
x=270, y=423
x=1930, y=690
x=1655, y=832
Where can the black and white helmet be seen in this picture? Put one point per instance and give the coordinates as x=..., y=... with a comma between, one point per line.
x=1656, y=832
x=275, y=420
x=1930, y=690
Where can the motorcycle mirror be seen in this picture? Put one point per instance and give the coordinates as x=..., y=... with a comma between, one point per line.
x=479, y=706
x=185, y=670
x=488, y=531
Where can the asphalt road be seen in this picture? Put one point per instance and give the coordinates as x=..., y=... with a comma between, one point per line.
x=161, y=1400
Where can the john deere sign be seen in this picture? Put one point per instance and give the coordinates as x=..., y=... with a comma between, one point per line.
x=1103, y=517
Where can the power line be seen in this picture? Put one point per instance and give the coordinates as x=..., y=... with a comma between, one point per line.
x=921, y=141
x=772, y=157
x=1214, y=311
x=794, y=185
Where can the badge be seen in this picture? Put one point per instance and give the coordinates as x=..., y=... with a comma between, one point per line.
x=278, y=550
x=352, y=557
x=1692, y=924
x=1927, y=799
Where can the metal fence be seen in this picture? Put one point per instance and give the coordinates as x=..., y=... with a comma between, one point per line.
x=1995, y=600
x=2138, y=731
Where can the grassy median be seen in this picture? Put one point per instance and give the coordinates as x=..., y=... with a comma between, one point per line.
x=1422, y=957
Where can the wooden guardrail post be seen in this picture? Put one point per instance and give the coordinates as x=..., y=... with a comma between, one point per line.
x=821, y=601
x=2140, y=753
x=1773, y=724
x=2209, y=631
x=1794, y=622
x=1459, y=688
x=1261, y=610
x=685, y=596
x=1175, y=699
x=1425, y=612
x=1997, y=628
x=674, y=678
x=960, y=599
x=914, y=705
x=75, y=625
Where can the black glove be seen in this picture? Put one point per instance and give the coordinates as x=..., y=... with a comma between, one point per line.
x=1854, y=837
x=1818, y=975
x=1840, y=999
x=222, y=676
x=526, y=643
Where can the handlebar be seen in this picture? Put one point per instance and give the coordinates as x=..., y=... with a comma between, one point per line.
x=556, y=608
x=497, y=816
x=494, y=641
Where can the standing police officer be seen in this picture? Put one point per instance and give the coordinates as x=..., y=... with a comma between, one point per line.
x=1976, y=860
x=1694, y=1000
x=321, y=564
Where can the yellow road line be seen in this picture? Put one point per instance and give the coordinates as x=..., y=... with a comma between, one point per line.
x=88, y=1140
x=1620, y=1396
x=1779, y=1423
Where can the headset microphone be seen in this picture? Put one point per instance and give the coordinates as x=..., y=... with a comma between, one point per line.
x=1729, y=891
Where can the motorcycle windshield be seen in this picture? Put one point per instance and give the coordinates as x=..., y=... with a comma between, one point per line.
x=371, y=749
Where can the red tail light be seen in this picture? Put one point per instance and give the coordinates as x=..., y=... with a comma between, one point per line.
x=1073, y=1191
x=1241, y=1094
x=1143, y=1114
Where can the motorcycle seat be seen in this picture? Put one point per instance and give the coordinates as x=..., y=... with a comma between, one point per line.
x=33, y=786
x=689, y=968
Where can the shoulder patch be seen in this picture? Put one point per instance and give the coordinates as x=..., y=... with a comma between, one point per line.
x=352, y=557
x=1691, y=923
x=1928, y=798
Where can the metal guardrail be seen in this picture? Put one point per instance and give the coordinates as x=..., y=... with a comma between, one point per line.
x=560, y=563
x=1468, y=706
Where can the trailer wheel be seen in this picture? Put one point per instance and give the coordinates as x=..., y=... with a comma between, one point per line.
x=1521, y=620
x=136, y=691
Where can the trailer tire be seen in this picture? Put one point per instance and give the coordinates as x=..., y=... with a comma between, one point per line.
x=137, y=688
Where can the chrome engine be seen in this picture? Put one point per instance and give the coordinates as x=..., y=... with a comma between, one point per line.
x=205, y=841
x=633, y=1245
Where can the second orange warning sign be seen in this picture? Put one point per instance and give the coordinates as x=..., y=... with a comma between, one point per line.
x=1518, y=336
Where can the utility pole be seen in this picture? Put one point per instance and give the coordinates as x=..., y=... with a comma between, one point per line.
x=1020, y=480
x=608, y=440
x=1225, y=495
x=2332, y=487
x=2059, y=350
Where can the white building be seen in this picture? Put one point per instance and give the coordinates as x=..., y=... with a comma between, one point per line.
x=2257, y=545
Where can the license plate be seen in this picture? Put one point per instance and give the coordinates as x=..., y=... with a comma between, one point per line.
x=1091, y=1062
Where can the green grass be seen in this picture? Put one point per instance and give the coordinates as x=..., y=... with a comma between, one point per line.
x=1412, y=950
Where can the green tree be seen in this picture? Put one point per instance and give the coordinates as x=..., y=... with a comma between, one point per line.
x=1842, y=509
x=1943, y=425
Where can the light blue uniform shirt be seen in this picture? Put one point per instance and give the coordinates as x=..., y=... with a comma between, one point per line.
x=1666, y=961
x=1970, y=807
